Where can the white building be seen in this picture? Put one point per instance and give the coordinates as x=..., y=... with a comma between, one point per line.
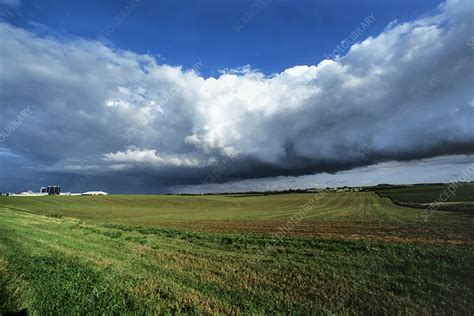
x=29, y=193
x=95, y=193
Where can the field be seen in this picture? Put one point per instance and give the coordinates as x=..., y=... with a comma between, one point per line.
x=430, y=193
x=343, y=253
x=457, y=199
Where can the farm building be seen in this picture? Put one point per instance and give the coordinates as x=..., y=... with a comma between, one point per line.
x=28, y=193
x=51, y=190
x=95, y=193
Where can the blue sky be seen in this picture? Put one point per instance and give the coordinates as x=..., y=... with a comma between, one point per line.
x=284, y=34
x=236, y=95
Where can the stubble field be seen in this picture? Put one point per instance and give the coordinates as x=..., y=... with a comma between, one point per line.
x=353, y=252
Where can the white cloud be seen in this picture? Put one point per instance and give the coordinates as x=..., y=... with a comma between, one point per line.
x=134, y=155
x=96, y=101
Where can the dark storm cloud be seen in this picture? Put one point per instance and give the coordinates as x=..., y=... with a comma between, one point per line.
x=133, y=124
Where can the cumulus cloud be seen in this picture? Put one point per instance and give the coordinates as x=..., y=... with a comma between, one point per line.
x=402, y=95
x=150, y=157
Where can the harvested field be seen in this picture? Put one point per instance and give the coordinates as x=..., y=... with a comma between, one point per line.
x=346, y=253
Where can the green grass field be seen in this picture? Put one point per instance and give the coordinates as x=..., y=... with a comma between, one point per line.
x=351, y=253
x=430, y=193
x=456, y=199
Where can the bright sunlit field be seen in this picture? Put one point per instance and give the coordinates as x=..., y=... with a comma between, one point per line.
x=349, y=252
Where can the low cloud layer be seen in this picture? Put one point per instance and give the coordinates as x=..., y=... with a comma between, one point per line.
x=405, y=94
x=440, y=169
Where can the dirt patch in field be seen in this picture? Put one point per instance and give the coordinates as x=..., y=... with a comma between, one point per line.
x=334, y=230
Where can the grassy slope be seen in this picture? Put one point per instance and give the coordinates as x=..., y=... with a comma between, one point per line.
x=222, y=207
x=335, y=215
x=59, y=266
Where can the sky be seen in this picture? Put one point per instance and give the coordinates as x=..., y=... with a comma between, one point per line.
x=195, y=96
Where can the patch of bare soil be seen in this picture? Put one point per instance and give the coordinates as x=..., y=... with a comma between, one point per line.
x=335, y=230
